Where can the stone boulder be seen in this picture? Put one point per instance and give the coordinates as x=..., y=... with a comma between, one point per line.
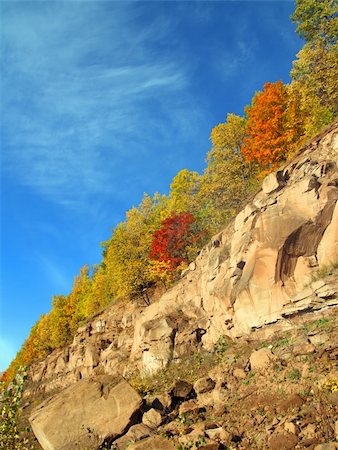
x=205, y=384
x=261, y=359
x=135, y=433
x=84, y=415
x=181, y=390
x=153, y=443
x=152, y=418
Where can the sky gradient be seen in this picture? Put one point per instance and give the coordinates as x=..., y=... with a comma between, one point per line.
x=103, y=101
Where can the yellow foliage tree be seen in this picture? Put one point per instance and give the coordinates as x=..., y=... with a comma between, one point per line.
x=127, y=252
x=228, y=177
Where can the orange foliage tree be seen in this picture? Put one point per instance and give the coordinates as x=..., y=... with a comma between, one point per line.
x=175, y=243
x=265, y=140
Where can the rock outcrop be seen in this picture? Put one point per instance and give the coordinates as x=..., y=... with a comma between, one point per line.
x=84, y=415
x=258, y=271
x=266, y=268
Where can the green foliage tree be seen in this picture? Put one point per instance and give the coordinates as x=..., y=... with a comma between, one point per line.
x=11, y=435
x=61, y=317
x=184, y=191
x=317, y=20
x=100, y=292
x=228, y=177
x=315, y=71
x=80, y=298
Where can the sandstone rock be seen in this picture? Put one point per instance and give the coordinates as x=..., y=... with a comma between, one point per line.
x=189, y=406
x=162, y=402
x=309, y=431
x=218, y=434
x=272, y=182
x=84, y=415
x=303, y=349
x=290, y=427
x=218, y=374
x=285, y=441
x=327, y=252
x=205, y=384
x=211, y=446
x=153, y=443
x=181, y=389
x=327, y=446
x=333, y=398
x=261, y=359
x=336, y=430
x=135, y=433
x=252, y=274
x=240, y=374
x=216, y=399
x=319, y=339
x=152, y=418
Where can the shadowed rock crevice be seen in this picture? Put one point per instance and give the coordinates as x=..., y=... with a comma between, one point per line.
x=304, y=240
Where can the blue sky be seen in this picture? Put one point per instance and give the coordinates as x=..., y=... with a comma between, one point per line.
x=101, y=102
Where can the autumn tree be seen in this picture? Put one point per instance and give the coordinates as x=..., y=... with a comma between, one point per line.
x=184, y=191
x=176, y=242
x=315, y=71
x=127, y=252
x=80, y=298
x=265, y=140
x=100, y=291
x=228, y=177
x=317, y=20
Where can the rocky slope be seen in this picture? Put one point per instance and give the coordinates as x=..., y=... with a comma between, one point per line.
x=257, y=392
x=260, y=273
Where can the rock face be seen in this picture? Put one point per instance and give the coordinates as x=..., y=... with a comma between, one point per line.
x=256, y=272
x=84, y=415
x=259, y=271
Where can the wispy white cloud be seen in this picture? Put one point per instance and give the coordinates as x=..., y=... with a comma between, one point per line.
x=230, y=60
x=81, y=86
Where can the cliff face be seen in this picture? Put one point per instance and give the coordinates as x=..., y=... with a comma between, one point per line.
x=258, y=271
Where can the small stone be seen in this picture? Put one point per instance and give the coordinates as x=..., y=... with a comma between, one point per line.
x=135, y=433
x=272, y=182
x=205, y=384
x=285, y=441
x=152, y=418
x=319, y=339
x=192, y=266
x=327, y=446
x=290, y=427
x=189, y=406
x=181, y=389
x=333, y=398
x=239, y=374
x=261, y=359
x=153, y=443
x=303, y=349
x=210, y=446
x=219, y=434
x=259, y=419
x=162, y=402
x=309, y=431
